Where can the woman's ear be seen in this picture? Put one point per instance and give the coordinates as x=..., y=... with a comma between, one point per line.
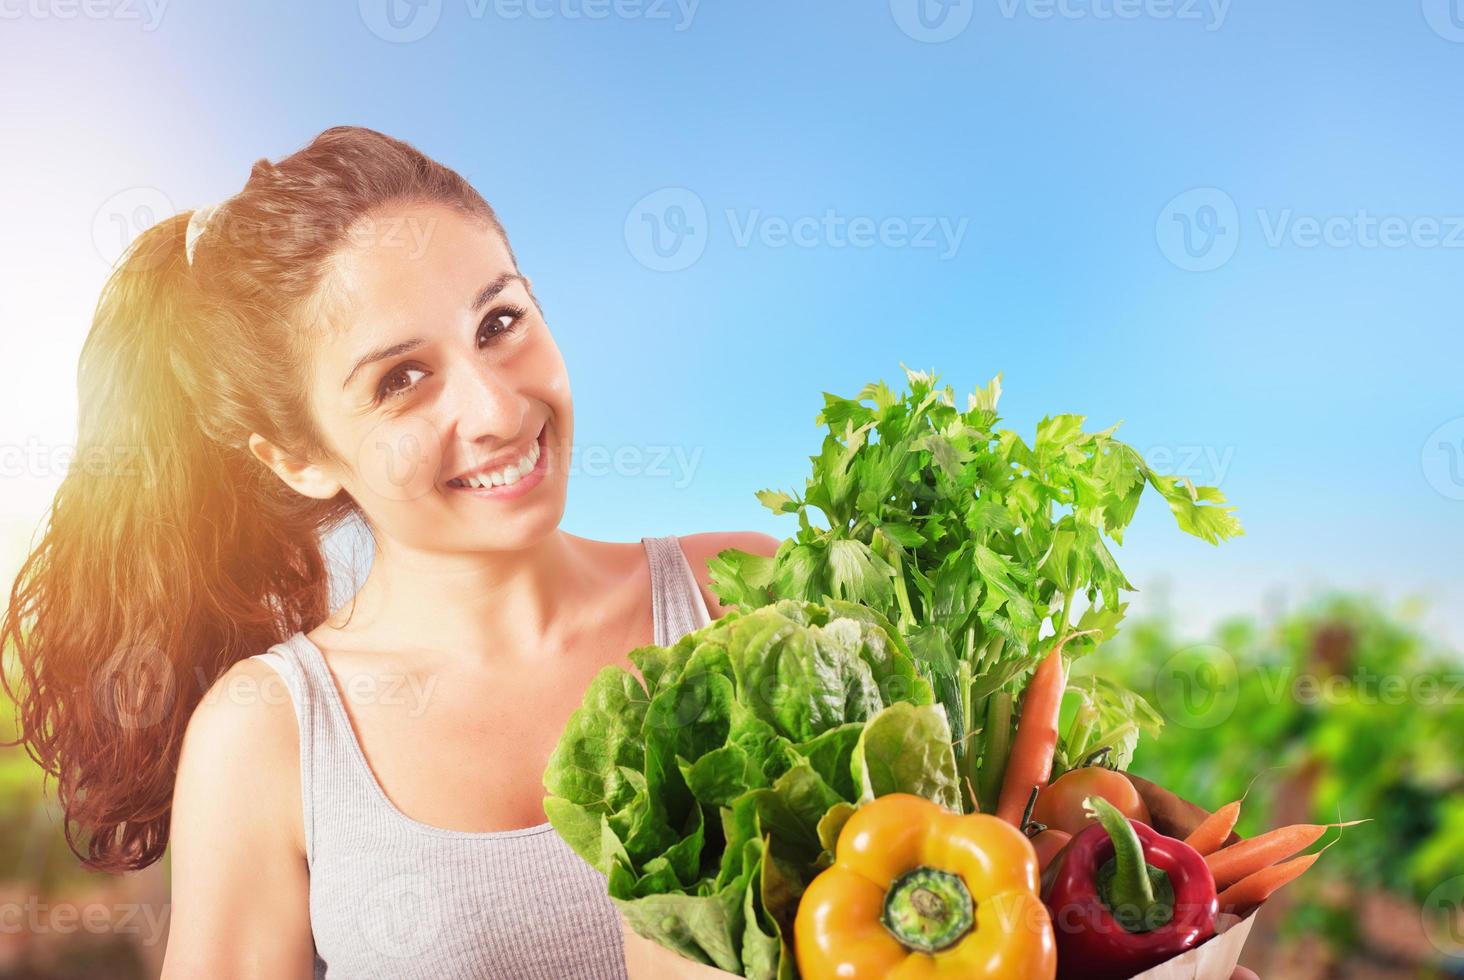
x=309, y=479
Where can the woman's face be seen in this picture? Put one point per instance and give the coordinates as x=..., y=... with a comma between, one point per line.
x=434, y=363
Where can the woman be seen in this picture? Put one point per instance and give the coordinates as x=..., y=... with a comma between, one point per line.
x=349, y=793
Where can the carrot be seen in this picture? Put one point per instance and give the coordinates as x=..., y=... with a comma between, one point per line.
x=1210, y=835
x=1243, y=858
x=1255, y=888
x=1029, y=765
x=1215, y=829
x=1230, y=864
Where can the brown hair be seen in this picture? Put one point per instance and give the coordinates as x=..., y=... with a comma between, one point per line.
x=181, y=554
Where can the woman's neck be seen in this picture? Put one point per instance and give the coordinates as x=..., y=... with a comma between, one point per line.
x=488, y=604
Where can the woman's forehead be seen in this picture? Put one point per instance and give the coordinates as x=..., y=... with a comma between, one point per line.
x=416, y=245
x=411, y=264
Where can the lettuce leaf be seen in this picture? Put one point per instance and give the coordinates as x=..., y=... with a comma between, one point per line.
x=708, y=789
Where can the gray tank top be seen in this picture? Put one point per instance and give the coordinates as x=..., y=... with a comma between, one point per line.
x=395, y=899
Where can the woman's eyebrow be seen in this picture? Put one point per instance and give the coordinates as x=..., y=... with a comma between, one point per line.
x=381, y=354
x=484, y=297
x=498, y=285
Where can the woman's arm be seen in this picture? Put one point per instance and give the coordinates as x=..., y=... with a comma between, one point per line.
x=240, y=888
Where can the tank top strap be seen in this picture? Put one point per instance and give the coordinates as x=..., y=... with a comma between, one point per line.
x=677, y=606
x=291, y=659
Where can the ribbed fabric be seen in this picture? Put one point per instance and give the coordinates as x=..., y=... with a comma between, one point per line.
x=395, y=899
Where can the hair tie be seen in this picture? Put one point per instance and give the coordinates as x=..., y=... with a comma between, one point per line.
x=197, y=225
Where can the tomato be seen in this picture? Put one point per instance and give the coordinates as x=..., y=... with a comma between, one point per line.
x=1049, y=844
x=1060, y=804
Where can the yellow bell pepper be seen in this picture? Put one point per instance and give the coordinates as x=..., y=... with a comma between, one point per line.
x=916, y=891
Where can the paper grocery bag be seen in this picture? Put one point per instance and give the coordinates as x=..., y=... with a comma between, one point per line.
x=1213, y=960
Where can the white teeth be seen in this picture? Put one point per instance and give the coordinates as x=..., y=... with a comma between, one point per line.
x=507, y=476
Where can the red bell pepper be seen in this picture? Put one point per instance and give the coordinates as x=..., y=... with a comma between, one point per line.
x=1126, y=898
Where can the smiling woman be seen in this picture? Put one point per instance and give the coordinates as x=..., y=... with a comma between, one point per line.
x=351, y=791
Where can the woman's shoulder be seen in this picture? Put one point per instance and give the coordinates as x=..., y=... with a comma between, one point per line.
x=241, y=746
x=706, y=545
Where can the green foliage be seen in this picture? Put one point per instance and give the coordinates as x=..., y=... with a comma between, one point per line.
x=974, y=542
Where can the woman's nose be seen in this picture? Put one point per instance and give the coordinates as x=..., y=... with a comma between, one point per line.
x=485, y=403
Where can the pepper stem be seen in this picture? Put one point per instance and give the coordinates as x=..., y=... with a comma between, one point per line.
x=928, y=909
x=1139, y=895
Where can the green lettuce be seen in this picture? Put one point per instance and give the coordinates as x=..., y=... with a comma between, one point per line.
x=710, y=789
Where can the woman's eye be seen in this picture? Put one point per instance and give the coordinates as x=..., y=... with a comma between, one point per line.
x=399, y=382
x=498, y=323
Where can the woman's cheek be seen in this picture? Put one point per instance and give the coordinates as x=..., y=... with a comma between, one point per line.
x=398, y=460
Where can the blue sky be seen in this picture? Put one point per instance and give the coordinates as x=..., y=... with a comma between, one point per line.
x=1235, y=226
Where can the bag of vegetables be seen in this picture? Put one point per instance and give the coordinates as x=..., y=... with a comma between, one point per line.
x=835, y=778
x=836, y=845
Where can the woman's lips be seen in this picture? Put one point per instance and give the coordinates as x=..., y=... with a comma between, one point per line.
x=525, y=483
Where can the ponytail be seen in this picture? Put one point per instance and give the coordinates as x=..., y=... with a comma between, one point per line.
x=170, y=552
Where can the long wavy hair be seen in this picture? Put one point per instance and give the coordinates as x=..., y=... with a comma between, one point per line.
x=170, y=552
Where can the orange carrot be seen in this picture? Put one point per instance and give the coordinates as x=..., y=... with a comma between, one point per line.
x=1255, y=888
x=1230, y=864
x=1029, y=765
x=1210, y=835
